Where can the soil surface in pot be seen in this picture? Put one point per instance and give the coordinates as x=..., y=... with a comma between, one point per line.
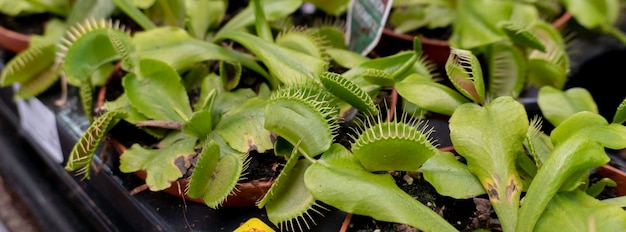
x=31, y=24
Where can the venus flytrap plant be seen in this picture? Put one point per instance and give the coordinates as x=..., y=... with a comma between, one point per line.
x=318, y=169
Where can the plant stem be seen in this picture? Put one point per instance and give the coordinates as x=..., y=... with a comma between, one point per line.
x=617, y=33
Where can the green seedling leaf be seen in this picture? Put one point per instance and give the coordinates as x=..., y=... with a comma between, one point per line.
x=450, y=177
x=86, y=47
x=431, y=96
x=39, y=83
x=159, y=164
x=463, y=69
x=302, y=114
x=199, y=182
x=177, y=48
x=349, y=92
x=415, y=16
x=388, y=64
x=16, y=8
x=289, y=66
x=490, y=139
x=383, y=146
x=576, y=211
x=338, y=179
x=557, y=105
x=157, y=92
x=199, y=125
x=274, y=9
x=620, y=113
x=83, y=151
x=471, y=27
x=230, y=74
x=28, y=64
x=520, y=35
x=507, y=70
x=133, y=12
x=242, y=128
x=204, y=14
x=209, y=88
x=579, y=146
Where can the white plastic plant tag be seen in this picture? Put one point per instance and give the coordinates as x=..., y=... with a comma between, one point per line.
x=366, y=21
x=39, y=123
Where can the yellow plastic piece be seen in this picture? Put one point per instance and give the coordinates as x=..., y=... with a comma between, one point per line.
x=254, y=225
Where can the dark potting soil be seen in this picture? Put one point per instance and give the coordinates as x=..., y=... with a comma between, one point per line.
x=31, y=24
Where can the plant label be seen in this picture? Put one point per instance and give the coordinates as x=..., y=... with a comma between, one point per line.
x=39, y=122
x=366, y=20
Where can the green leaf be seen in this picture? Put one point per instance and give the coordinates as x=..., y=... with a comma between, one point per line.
x=199, y=125
x=349, y=92
x=174, y=11
x=242, y=128
x=431, y=96
x=339, y=180
x=177, y=48
x=476, y=23
x=129, y=9
x=289, y=66
x=288, y=199
x=204, y=14
x=620, y=113
x=28, y=64
x=199, y=182
x=299, y=121
x=38, y=84
x=579, y=146
x=576, y=211
x=463, y=69
x=224, y=180
x=394, y=145
x=557, y=105
x=507, y=70
x=596, y=188
x=346, y=58
x=593, y=14
x=88, y=50
x=520, y=35
x=274, y=9
x=157, y=92
x=159, y=164
x=490, y=139
x=83, y=151
x=450, y=177
x=95, y=9
x=230, y=74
